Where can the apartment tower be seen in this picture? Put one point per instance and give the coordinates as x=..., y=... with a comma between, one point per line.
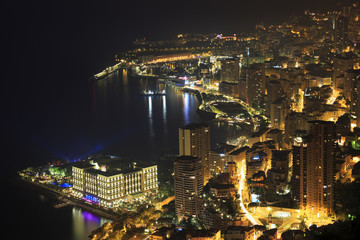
x=188, y=180
x=320, y=168
x=194, y=140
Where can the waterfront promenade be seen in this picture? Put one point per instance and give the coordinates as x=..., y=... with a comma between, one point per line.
x=62, y=199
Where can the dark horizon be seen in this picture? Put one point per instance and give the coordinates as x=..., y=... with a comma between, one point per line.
x=94, y=31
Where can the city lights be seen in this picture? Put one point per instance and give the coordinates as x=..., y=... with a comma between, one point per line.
x=219, y=136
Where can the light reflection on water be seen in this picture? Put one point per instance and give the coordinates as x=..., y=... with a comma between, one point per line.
x=84, y=223
x=125, y=77
x=150, y=115
x=164, y=108
x=120, y=119
x=130, y=119
x=186, y=107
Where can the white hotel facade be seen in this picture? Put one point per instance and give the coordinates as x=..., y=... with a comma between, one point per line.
x=111, y=188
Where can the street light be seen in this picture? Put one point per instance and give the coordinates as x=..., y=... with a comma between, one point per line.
x=269, y=215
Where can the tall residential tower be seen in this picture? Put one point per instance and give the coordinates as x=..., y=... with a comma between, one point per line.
x=320, y=168
x=188, y=180
x=194, y=140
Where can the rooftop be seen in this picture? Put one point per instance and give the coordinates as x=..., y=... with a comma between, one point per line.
x=239, y=228
x=83, y=165
x=240, y=150
x=195, y=126
x=106, y=174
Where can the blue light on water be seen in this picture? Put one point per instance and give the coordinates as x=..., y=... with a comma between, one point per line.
x=90, y=217
x=91, y=198
x=65, y=185
x=186, y=107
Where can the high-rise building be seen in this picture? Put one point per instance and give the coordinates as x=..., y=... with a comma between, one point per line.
x=343, y=126
x=188, y=180
x=278, y=113
x=299, y=173
x=194, y=140
x=357, y=103
x=274, y=92
x=351, y=90
x=296, y=124
x=230, y=70
x=341, y=65
x=256, y=83
x=243, y=86
x=217, y=162
x=320, y=168
x=219, y=158
x=229, y=89
x=341, y=33
x=279, y=172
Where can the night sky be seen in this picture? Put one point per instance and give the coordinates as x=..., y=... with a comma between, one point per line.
x=52, y=47
x=97, y=29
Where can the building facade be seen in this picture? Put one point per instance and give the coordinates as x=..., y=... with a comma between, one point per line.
x=229, y=89
x=351, y=90
x=188, y=180
x=298, y=179
x=320, y=168
x=230, y=70
x=111, y=188
x=256, y=83
x=278, y=175
x=278, y=113
x=341, y=33
x=357, y=103
x=194, y=140
x=217, y=162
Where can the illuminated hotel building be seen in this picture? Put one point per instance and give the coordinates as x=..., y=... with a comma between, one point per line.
x=110, y=188
x=194, y=140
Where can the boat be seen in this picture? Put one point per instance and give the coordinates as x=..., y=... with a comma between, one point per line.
x=153, y=93
x=157, y=91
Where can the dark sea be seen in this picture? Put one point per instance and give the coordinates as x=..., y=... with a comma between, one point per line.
x=77, y=119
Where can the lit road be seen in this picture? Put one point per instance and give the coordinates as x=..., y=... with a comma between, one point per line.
x=252, y=219
x=180, y=57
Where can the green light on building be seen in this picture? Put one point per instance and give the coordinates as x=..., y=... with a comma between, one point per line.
x=355, y=144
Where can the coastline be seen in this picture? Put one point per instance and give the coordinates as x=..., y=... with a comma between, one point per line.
x=60, y=199
x=58, y=196
x=48, y=189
